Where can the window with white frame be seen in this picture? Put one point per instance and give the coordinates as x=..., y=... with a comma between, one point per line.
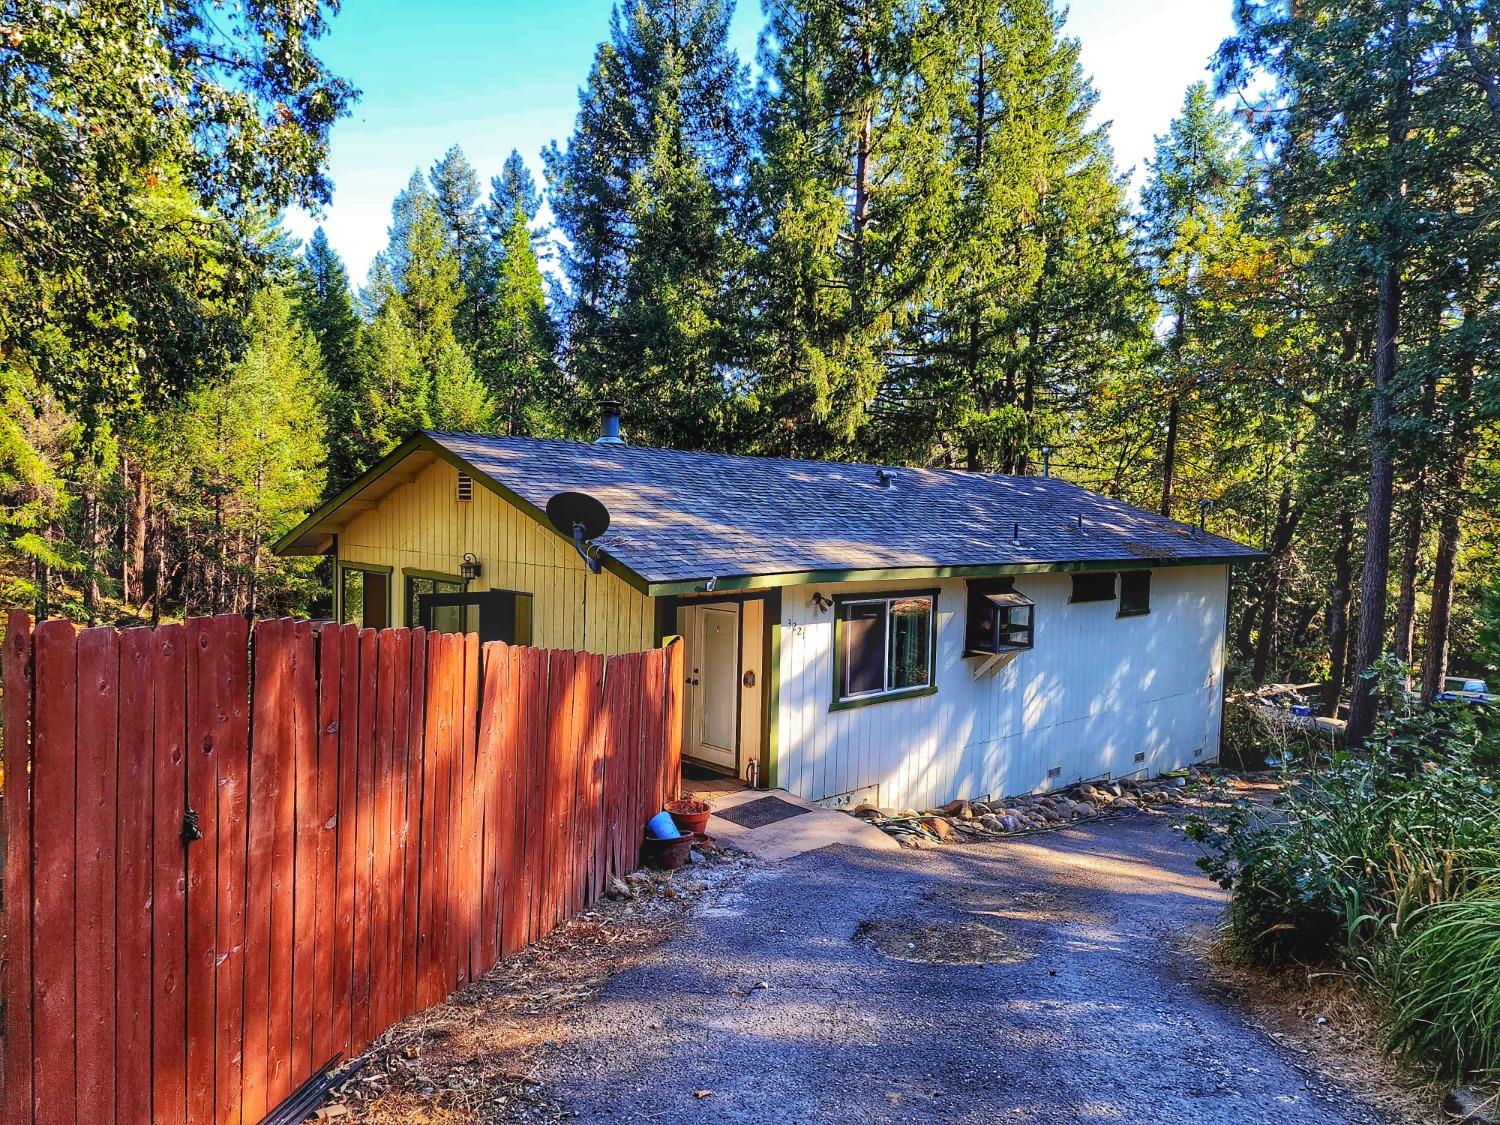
x=883, y=646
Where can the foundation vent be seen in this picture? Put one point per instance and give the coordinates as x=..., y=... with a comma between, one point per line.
x=1141, y=757
x=1055, y=771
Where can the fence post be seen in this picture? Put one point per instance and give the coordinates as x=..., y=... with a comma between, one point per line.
x=17, y=901
x=672, y=754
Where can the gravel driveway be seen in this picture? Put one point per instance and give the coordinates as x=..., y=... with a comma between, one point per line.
x=1039, y=980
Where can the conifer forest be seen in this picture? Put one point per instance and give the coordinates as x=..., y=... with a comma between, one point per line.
x=896, y=235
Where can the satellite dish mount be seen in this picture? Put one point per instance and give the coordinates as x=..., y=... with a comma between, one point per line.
x=581, y=518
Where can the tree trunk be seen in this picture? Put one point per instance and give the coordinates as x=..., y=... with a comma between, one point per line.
x=1411, y=557
x=1287, y=519
x=1376, y=572
x=1174, y=411
x=1444, y=569
x=1444, y=578
x=135, y=535
x=128, y=578
x=861, y=192
x=1265, y=636
x=1339, y=595
x=42, y=579
x=91, y=556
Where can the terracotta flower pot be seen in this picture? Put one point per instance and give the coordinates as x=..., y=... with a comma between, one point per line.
x=690, y=816
x=666, y=855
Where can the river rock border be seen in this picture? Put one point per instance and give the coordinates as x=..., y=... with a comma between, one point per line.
x=963, y=821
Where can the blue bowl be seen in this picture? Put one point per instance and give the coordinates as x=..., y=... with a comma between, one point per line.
x=662, y=827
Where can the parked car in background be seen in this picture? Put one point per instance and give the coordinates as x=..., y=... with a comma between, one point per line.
x=1461, y=689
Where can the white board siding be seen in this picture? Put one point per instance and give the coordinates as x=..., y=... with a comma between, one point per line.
x=1094, y=691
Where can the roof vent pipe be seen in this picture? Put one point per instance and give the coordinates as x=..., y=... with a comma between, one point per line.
x=609, y=424
x=885, y=477
x=1046, y=460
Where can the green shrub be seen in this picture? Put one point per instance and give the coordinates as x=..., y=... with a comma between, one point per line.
x=1387, y=861
x=1445, y=999
x=1357, y=842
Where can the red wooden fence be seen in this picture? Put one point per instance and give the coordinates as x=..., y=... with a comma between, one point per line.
x=382, y=817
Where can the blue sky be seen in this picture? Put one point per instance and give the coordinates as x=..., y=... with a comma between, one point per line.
x=492, y=75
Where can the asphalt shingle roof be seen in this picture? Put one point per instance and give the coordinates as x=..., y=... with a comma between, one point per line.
x=676, y=515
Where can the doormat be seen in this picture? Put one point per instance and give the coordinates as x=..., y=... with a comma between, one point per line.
x=692, y=771
x=760, y=812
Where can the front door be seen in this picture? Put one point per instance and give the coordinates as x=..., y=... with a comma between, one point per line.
x=713, y=676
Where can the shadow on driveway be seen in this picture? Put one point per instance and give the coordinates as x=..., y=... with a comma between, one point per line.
x=1038, y=980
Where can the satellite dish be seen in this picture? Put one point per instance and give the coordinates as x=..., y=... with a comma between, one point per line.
x=582, y=519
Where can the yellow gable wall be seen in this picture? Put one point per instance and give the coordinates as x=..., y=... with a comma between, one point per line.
x=422, y=526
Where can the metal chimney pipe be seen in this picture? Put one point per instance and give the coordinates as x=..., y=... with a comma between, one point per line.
x=609, y=424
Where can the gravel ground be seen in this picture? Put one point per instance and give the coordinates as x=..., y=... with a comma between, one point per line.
x=1042, y=980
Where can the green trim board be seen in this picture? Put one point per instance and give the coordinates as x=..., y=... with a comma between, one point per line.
x=435, y=575
x=902, y=574
x=365, y=568
x=929, y=688
x=770, y=697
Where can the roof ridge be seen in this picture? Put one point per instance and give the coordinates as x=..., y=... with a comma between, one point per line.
x=612, y=447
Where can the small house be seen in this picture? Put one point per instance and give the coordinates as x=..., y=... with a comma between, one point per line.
x=902, y=636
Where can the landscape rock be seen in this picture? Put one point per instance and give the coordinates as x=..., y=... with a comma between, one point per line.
x=939, y=827
x=968, y=821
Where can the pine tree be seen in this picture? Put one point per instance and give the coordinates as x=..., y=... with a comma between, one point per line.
x=327, y=308
x=644, y=197
x=415, y=372
x=459, y=399
x=252, y=453
x=518, y=353
x=396, y=391
x=1343, y=114
x=1030, y=298
x=1191, y=210
x=514, y=185
x=847, y=209
x=455, y=187
x=428, y=280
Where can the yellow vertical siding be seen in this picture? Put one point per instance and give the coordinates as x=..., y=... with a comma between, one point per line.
x=422, y=526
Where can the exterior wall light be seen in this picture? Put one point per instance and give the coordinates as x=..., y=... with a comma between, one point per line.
x=469, y=569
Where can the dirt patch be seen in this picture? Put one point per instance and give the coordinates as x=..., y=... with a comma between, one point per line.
x=941, y=943
x=1024, y=906
x=485, y=1054
x=1331, y=1026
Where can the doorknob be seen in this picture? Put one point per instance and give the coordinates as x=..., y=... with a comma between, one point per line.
x=748, y=679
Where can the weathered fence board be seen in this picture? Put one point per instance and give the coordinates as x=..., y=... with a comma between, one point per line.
x=133, y=878
x=17, y=984
x=231, y=856
x=169, y=879
x=53, y=933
